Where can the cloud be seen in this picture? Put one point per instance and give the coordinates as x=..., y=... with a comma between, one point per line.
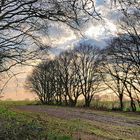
x=96, y=32
x=102, y=2
x=61, y=37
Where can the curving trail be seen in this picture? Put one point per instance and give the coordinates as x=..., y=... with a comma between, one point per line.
x=126, y=125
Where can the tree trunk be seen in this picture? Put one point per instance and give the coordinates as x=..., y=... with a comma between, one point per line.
x=132, y=103
x=72, y=103
x=138, y=101
x=133, y=106
x=66, y=101
x=87, y=102
x=121, y=102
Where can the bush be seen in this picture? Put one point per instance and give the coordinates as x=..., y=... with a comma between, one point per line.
x=116, y=109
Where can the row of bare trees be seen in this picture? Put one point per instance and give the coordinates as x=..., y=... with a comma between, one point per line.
x=86, y=71
x=71, y=74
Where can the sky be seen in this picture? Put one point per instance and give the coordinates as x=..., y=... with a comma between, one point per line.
x=95, y=32
x=60, y=38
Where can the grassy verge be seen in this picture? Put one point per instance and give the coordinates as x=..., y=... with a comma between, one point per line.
x=26, y=125
x=109, y=105
x=16, y=125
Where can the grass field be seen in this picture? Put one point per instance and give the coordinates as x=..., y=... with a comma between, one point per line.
x=27, y=121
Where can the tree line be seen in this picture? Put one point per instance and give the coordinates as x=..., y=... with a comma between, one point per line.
x=87, y=71
x=64, y=79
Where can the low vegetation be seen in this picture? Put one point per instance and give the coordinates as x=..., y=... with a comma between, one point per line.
x=42, y=122
x=15, y=125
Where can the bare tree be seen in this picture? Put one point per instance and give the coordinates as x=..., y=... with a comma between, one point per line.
x=127, y=48
x=69, y=76
x=40, y=82
x=56, y=82
x=89, y=77
x=112, y=70
x=124, y=58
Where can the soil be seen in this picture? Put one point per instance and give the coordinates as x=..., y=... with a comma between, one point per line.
x=102, y=117
x=69, y=113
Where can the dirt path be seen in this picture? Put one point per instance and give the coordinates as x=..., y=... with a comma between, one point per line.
x=126, y=125
x=69, y=113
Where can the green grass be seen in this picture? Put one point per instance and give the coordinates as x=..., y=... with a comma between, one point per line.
x=55, y=128
x=108, y=105
x=15, y=125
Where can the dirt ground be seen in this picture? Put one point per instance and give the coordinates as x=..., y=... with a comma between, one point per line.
x=127, y=125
